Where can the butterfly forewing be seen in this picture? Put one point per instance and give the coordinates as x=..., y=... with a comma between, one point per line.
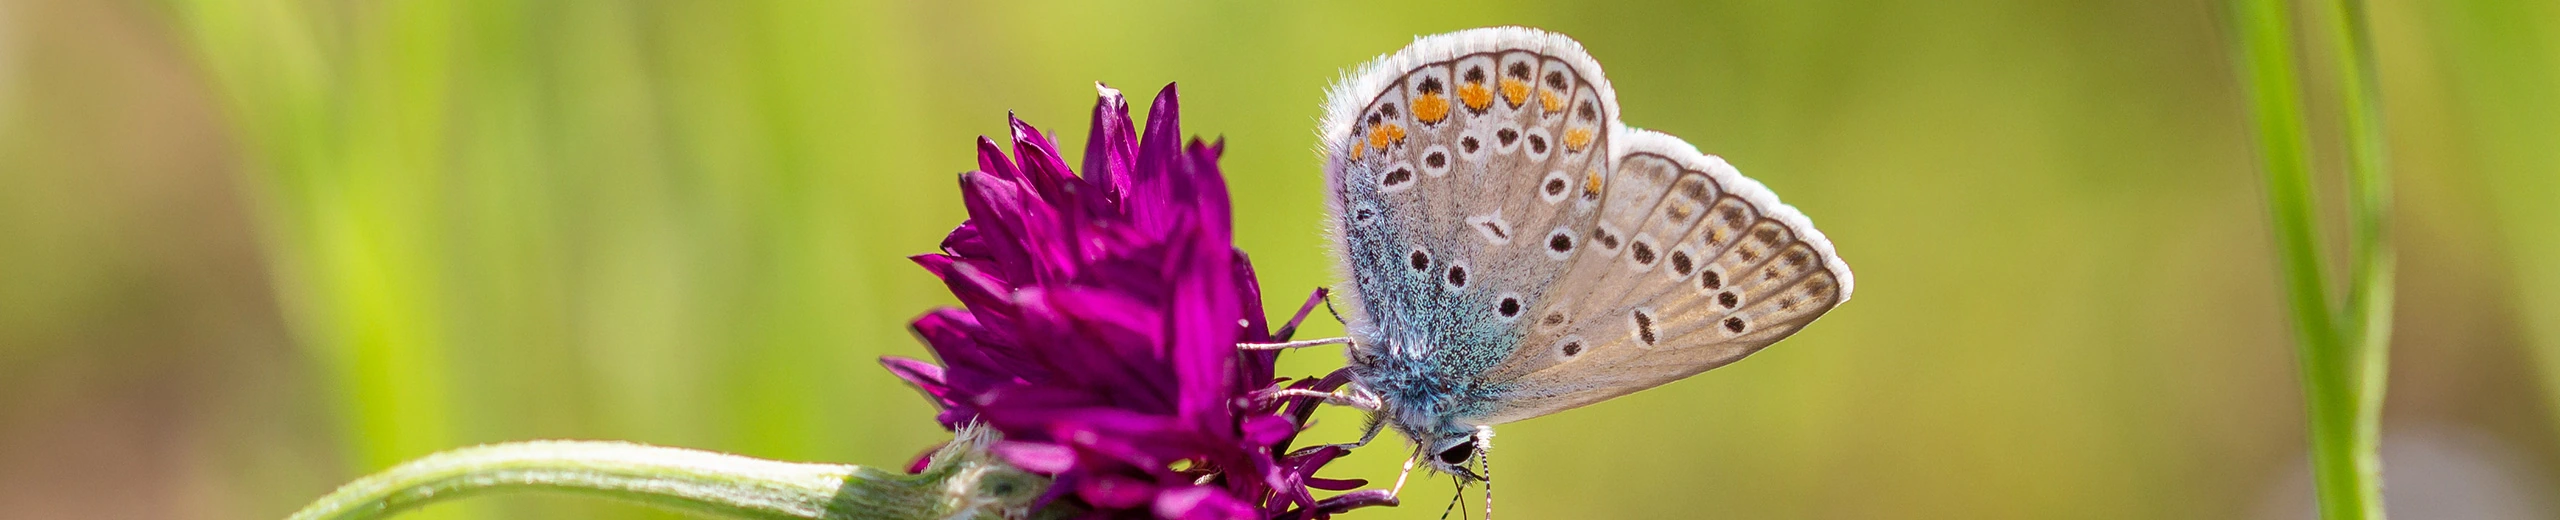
x=1468, y=231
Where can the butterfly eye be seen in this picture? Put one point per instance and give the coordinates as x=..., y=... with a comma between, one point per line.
x=1458, y=454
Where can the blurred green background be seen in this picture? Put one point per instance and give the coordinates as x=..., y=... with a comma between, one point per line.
x=251, y=249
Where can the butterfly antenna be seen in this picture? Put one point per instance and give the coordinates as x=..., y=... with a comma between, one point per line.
x=1398, y=490
x=1484, y=454
x=1456, y=496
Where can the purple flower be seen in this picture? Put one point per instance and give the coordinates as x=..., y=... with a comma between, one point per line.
x=1100, y=330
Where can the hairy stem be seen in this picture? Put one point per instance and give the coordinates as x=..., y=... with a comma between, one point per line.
x=963, y=482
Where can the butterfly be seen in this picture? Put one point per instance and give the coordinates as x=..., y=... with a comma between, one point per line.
x=1511, y=250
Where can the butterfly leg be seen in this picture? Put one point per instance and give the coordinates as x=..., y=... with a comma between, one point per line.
x=1398, y=490
x=1355, y=399
x=1293, y=344
x=1367, y=433
x=1377, y=423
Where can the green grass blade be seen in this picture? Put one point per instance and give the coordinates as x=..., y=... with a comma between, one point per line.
x=2341, y=356
x=2366, y=326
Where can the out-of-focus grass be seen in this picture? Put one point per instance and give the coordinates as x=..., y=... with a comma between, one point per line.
x=2502, y=61
x=350, y=187
x=682, y=223
x=2343, y=346
x=590, y=194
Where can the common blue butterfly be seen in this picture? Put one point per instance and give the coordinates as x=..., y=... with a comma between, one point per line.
x=1511, y=250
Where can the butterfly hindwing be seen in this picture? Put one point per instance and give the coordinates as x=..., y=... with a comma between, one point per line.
x=1719, y=270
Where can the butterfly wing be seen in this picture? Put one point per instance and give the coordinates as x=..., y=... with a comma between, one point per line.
x=1713, y=268
x=1451, y=164
x=1498, y=223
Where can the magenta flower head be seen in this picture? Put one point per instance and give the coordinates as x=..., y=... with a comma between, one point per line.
x=1100, y=330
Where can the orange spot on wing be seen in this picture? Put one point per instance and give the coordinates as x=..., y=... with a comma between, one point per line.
x=1591, y=183
x=1386, y=134
x=1476, y=96
x=1431, y=108
x=1515, y=91
x=1576, y=139
x=1550, y=99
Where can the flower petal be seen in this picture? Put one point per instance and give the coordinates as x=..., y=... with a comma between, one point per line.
x=1115, y=492
x=1291, y=330
x=1111, y=146
x=992, y=161
x=1355, y=500
x=1268, y=429
x=1039, y=162
x=1098, y=322
x=1201, y=503
x=1034, y=456
x=1329, y=484
x=926, y=377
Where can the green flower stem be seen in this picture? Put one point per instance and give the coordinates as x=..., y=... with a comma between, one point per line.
x=2371, y=260
x=2343, y=352
x=963, y=482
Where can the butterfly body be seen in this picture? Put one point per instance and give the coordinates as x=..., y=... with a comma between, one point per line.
x=1510, y=249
